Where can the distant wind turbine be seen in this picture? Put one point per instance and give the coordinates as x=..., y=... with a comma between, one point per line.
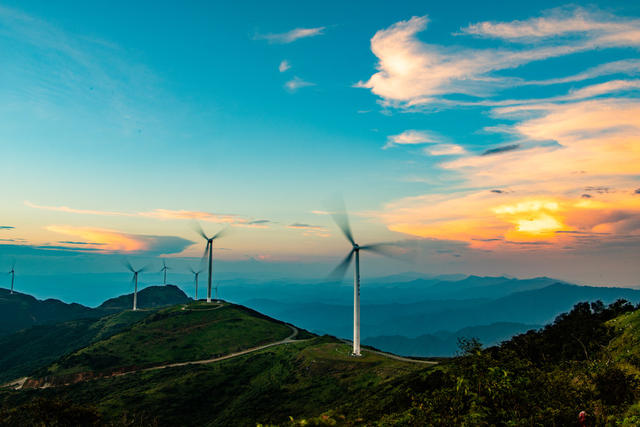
x=12, y=272
x=342, y=221
x=209, y=251
x=135, y=281
x=164, y=270
x=196, y=274
x=217, y=291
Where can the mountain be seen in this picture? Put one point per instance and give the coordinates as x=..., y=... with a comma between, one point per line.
x=29, y=349
x=149, y=297
x=445, y=343
x=531, y=307
x=172, y=335
x=19, y=311
x=587, y=359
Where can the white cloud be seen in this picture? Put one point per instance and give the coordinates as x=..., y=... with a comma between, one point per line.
x=411, y=137
x=293, y=35
x=444, y=150
x=412, y=73
x=284, y=66
x=558, y=23
x=297, y=83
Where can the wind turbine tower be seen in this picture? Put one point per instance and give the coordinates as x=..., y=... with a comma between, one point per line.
x=208, y=251
x=342, y=220
x=134, y=280
x=196, y=274
x=164, y=270
x=12, y=272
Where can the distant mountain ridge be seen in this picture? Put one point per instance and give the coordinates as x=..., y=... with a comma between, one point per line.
x=445, y=343
x=19, y=311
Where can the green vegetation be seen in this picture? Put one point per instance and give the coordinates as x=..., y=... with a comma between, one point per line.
x=176, y=334
x=39, y=346
x=586, y=359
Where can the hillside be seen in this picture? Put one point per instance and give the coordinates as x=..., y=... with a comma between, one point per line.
x=30, y=349
x=149, y=297
x=176, y=334
x=19, y=311
x=587, y=359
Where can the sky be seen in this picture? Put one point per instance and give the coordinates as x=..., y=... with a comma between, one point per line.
x=497, y=138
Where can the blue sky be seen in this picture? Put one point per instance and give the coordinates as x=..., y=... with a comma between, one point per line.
x=466, y=129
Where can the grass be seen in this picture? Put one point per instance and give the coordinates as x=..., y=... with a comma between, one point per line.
x=298, y=379
x=39, y=346
x=180, y=333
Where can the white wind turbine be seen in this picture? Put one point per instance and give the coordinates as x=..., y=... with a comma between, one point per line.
x=196, y=274
x=209, y=251
x=342, y=221
x=12, y=272
x=135, y=282
x=164, y=270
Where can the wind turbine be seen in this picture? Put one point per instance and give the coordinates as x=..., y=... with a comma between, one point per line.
x=12, y=272
x=196, y=274
x=164, y=270
x=209, y=251
x=135, y=281
x=217, y=283
x=342, y=221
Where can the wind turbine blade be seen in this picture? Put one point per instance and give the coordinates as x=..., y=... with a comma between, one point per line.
x=380, y=248
x=220, y=233
x=339, y=215
x=143, y=269
x=127, y=264
x=206, y=252
x=200, y=231
x=338, y=273
x=192, y=270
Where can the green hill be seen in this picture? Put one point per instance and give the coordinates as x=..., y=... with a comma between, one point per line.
x=19, y=311
x=149, y=297
x=176, y=334
x=29, y=349
x=587, y=359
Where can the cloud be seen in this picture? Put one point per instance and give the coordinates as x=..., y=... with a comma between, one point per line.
x=293, y=35
x=296, y=83
x=411, y=137
x=107, y=240
x=561, y=22
x=284, y=66
x=445, y=150
x=411, y=73
x=310, y=230
x=637, y=191
x=161, y=214
x=6, y=227
x=499, y=150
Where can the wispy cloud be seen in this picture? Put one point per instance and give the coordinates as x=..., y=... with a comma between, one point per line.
x=291, y=36
x=310, y=230
x=445, y=150
x=284, y=66
x=411, y=137
x=107, y=240
x=6, y=227
x=296, y=83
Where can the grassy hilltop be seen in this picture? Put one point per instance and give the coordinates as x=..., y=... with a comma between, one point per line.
x=587, y=359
